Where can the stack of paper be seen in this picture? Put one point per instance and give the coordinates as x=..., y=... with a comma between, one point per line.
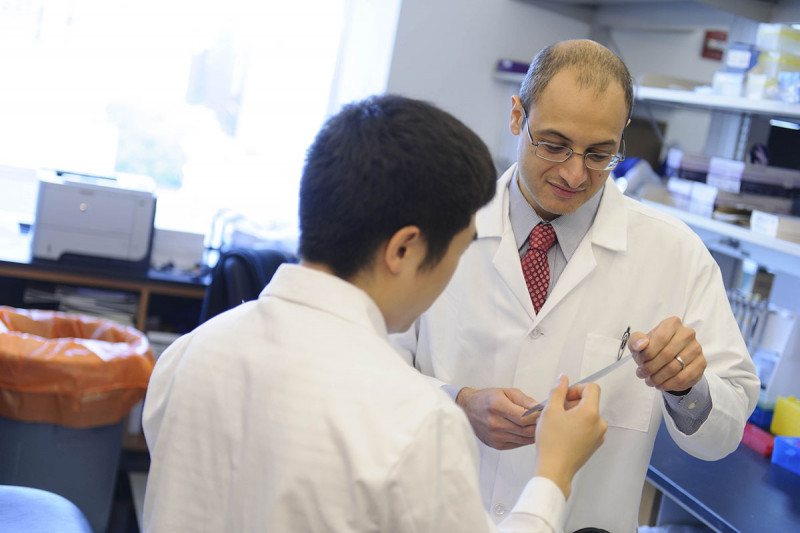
x=782, y=227
x=117, y=306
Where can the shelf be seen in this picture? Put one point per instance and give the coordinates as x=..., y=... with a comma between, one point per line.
x=672, y=13
x=716, y=102
x=774, y=254
x=711, y=102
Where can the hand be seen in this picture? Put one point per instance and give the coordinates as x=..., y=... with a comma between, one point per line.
x=567, y=437
x=496, y=416
x=656, y=352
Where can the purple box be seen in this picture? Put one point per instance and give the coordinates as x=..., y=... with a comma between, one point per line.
x=509, y=65
x=787, y=453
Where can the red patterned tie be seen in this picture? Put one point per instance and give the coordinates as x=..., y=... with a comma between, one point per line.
x=534, y=264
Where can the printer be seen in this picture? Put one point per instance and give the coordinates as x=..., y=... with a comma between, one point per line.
x=94, y=221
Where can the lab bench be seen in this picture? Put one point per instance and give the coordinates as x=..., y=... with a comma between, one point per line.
x=741, y=493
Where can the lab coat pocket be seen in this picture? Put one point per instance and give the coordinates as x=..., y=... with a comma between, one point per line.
x=625, y=400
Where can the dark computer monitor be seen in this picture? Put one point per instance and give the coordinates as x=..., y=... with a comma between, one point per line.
x=783, y=145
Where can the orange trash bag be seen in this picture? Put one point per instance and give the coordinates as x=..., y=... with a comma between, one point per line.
x=68, y=369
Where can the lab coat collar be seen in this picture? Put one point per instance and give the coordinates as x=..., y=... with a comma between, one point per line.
x=327, y=293
x=609, y=230
x=492, y=220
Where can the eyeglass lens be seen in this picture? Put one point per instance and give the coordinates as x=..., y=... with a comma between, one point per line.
x=559, y=154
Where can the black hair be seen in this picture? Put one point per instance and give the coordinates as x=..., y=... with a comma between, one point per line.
x=382, y=164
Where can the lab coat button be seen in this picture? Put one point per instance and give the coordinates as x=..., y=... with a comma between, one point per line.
x=536, y=333
x=499, y=509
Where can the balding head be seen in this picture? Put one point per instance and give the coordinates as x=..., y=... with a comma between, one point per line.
x=594, y=65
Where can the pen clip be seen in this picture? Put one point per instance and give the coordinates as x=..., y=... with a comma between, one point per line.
x=625, y=337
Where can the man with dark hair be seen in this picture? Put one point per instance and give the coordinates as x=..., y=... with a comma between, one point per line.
x=563, y=270
x=294, y=413
x=434, y=178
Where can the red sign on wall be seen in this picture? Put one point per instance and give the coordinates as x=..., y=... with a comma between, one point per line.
x=714, y=44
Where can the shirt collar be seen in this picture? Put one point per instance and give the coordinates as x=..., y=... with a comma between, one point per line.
x=327, y=293
x=570, y=229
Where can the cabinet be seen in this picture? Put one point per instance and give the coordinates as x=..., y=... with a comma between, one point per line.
x=157, y=295
x=169, y=301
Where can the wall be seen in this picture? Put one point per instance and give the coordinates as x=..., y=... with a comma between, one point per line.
x=446, y=50
x=673, y=53
x=670, y=52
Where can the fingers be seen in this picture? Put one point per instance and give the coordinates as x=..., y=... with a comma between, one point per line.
x=656, y=354
x=558, y=394
x=495, y=417
x=638, y=342
x=568, y=397
x=590, y=395
x=575, y=392
x=514, y=415
x=566, y=439
x=660, y=345
x=682, y=379
x=530, y=419
x=520, y=398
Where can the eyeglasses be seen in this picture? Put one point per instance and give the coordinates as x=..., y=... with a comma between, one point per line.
x=558, y=153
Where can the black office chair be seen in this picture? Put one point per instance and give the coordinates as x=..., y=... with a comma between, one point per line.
x=239, y=276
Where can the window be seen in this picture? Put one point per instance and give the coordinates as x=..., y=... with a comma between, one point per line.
x=217, y=101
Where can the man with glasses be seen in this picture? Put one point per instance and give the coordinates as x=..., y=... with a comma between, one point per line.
x=564, y=269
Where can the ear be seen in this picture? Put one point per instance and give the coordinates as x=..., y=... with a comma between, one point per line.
x=515, y=122
x=404, y=250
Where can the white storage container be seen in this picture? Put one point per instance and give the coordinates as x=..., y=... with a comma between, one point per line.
x=778, y=38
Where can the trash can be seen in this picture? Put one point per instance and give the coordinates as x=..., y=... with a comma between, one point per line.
x=66, y=384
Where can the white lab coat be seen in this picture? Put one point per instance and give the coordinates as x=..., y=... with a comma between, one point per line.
x=635, y=267
x=293, y=413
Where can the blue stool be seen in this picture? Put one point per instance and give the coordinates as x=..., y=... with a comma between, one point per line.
x=27, y=510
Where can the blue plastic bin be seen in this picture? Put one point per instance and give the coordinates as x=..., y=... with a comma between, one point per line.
x=787, y=453
x=79, y=464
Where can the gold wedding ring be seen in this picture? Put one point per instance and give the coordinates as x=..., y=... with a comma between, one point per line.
x=678, y=358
